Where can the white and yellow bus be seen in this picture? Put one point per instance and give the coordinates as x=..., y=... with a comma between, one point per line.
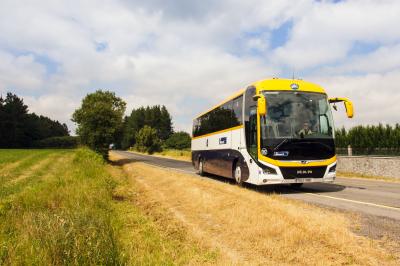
x=274, y=131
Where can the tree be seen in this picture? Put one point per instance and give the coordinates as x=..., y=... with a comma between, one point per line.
x=179, y=140
x=370, y=139
x=2, y=121
x=156, y=117
x=99, y=120
x=18, y=128
x=132, y=125
x=165, y=128
x=14, y=118
x=147, y=140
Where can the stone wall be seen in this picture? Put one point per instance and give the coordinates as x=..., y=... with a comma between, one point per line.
x=373, y=166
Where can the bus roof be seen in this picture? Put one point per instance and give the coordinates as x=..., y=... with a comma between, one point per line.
x=274, y=84
x=277, y=84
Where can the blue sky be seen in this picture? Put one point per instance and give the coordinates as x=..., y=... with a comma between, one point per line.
x=189, y=55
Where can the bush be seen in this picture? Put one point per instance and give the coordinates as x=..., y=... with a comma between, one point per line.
x=179, y=141
x=147, y=140
x=57, y=142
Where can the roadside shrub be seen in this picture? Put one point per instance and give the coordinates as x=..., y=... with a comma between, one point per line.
x=179, y=141
x=57, y=142
x=86, y=156
x=147, y=140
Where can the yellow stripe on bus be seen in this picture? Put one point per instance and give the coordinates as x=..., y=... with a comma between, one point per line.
x=296, y=164
x=218, y=132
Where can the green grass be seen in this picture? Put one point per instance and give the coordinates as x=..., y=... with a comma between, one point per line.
x=13, y=155
x=62, y=207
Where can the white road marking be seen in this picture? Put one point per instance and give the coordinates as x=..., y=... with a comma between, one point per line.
x=353, y=201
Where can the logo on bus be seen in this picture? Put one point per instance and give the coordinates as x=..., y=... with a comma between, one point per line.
x=222, y=140
x=281, y=153
x=304, y=172
x=294, y=86
x=264, y=151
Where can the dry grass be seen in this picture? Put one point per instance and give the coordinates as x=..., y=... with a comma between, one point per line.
x=249, y=227
x=151, y=235
x=362, y=176
x=182, y=155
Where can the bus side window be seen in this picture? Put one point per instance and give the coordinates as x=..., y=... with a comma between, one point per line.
x=250, y=121
x=237, y=111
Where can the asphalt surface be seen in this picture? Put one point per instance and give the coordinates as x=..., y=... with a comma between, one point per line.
x=370, y=197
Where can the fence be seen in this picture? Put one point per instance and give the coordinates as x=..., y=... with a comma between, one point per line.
x=377, y=152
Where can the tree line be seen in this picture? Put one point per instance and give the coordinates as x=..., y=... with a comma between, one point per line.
x=370, y=139
x=149, y=129
x=19, y=128
x=101, y=122
x=156, y=117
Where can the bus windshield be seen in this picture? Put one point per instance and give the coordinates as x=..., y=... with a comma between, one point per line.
x=295, y=116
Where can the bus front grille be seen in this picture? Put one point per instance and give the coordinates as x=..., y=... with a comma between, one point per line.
x=303, y=172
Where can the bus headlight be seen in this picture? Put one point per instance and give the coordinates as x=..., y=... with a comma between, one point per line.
x=332, y=169
x=268, y=170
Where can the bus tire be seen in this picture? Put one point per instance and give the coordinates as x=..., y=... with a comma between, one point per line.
x=296, y=185
x=237, y=174
x=201, y=167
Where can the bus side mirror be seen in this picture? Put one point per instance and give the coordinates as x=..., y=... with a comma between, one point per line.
x=349, y=109
x=347, y=104
x=261, y=104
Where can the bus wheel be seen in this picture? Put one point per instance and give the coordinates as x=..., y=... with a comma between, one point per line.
x=237, y=174
x=201, y=167
x=296, y=185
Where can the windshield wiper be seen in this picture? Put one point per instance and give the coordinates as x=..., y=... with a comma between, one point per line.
x=281, y=143
x=316, y=142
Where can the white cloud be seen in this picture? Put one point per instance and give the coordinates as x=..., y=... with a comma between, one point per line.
x=20, y=72
x=327, y=31
x=384, y=59
x=56, y=107
x=188, y=55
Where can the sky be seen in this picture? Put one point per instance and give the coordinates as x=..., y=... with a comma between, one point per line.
x=190, y=55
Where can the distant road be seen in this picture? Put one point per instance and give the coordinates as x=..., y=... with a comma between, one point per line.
x=371, y=197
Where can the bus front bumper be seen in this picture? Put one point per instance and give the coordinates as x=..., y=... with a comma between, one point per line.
x=278, y=178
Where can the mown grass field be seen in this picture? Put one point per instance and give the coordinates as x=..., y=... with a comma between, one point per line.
x=62, y=207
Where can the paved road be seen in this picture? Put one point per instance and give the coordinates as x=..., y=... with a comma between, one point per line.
x=370, y=197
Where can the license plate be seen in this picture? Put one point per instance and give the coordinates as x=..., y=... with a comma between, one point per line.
x=303, y=180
